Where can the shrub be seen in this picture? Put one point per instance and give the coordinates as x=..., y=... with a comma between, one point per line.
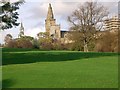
x=24, y=43
x=11, y=44
x=107, y=43
x=36, y=44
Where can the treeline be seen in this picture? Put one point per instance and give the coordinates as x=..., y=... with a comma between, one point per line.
x=106, y=42
x=43, y=42
x=109, y=42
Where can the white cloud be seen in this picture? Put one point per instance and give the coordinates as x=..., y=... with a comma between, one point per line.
x=38, y=10
x=13, y=1
x=34, y=31
x=59, y=9
x=14, y=32
x=112, y=8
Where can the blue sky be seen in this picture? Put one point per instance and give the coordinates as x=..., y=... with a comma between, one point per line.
x=33, y=14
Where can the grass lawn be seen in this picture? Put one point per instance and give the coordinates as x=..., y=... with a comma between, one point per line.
x=59, y=69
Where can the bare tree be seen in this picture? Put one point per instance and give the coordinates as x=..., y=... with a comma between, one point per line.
x=8, y=38
x=88, y=20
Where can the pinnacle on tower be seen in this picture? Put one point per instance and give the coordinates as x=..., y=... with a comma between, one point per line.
x=21, y=27
x=21, y=30
x=50, y=15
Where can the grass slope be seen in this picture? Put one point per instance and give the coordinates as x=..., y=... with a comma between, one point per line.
x=59, y=69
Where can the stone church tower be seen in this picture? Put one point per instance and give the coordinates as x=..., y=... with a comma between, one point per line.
x=51, y=27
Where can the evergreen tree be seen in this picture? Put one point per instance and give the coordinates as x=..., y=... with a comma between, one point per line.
x=9, y=14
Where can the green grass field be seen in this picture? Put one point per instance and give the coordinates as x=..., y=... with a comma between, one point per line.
x=27, y=68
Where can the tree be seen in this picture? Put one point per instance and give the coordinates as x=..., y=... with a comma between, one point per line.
x=9, y=14
x=12, y=44
x=43, y=35
x=36, y=43
x=0, y=45
x=45, y=41
x=24, y=43
x=8, y=38
x=28, y=38
x=87, y=20
x=108, y=42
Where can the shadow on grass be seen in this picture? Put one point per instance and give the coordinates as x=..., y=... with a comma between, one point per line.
x=48, y=56
x=6, y=83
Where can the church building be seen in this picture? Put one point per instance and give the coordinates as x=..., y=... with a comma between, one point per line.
x=51, y=27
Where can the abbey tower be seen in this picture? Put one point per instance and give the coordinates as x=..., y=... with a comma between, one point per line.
x=51, y=27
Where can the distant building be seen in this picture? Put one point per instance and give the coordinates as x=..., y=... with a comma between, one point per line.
x=51, y=27
x=112, y=24
x=21, y=31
